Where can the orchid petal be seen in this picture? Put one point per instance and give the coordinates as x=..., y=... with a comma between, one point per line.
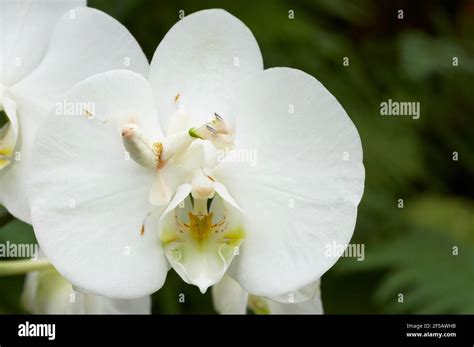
x=301, y=197
x=198, y=61
x=25, y=30
x=91, y=218
x=83, y=35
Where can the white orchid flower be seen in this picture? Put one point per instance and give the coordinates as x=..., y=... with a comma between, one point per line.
x=47, y=46
x=229, y=298
x=47, y=292
x=187, y=197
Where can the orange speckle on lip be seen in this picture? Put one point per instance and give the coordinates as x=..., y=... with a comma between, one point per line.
x=211, y=178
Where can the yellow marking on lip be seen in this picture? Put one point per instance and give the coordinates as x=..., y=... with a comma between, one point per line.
x=233, y=236
x=169, y=236
x=6, y=151
x=5, y=154
x=200, y=226
x=202, y=230
x=4, y=163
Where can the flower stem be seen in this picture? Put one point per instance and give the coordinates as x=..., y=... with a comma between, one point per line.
x=19, y=267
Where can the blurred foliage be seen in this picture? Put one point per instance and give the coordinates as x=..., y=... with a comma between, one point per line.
x=408, y=250
x=15, y=232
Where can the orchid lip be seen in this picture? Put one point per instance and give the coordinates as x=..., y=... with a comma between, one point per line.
x=200, y=240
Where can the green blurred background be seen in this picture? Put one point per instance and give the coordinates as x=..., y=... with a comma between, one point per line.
x=408, y=250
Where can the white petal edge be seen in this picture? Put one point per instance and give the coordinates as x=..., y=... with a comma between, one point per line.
x=25, y=31
x=200, y=58
x=89, y=36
